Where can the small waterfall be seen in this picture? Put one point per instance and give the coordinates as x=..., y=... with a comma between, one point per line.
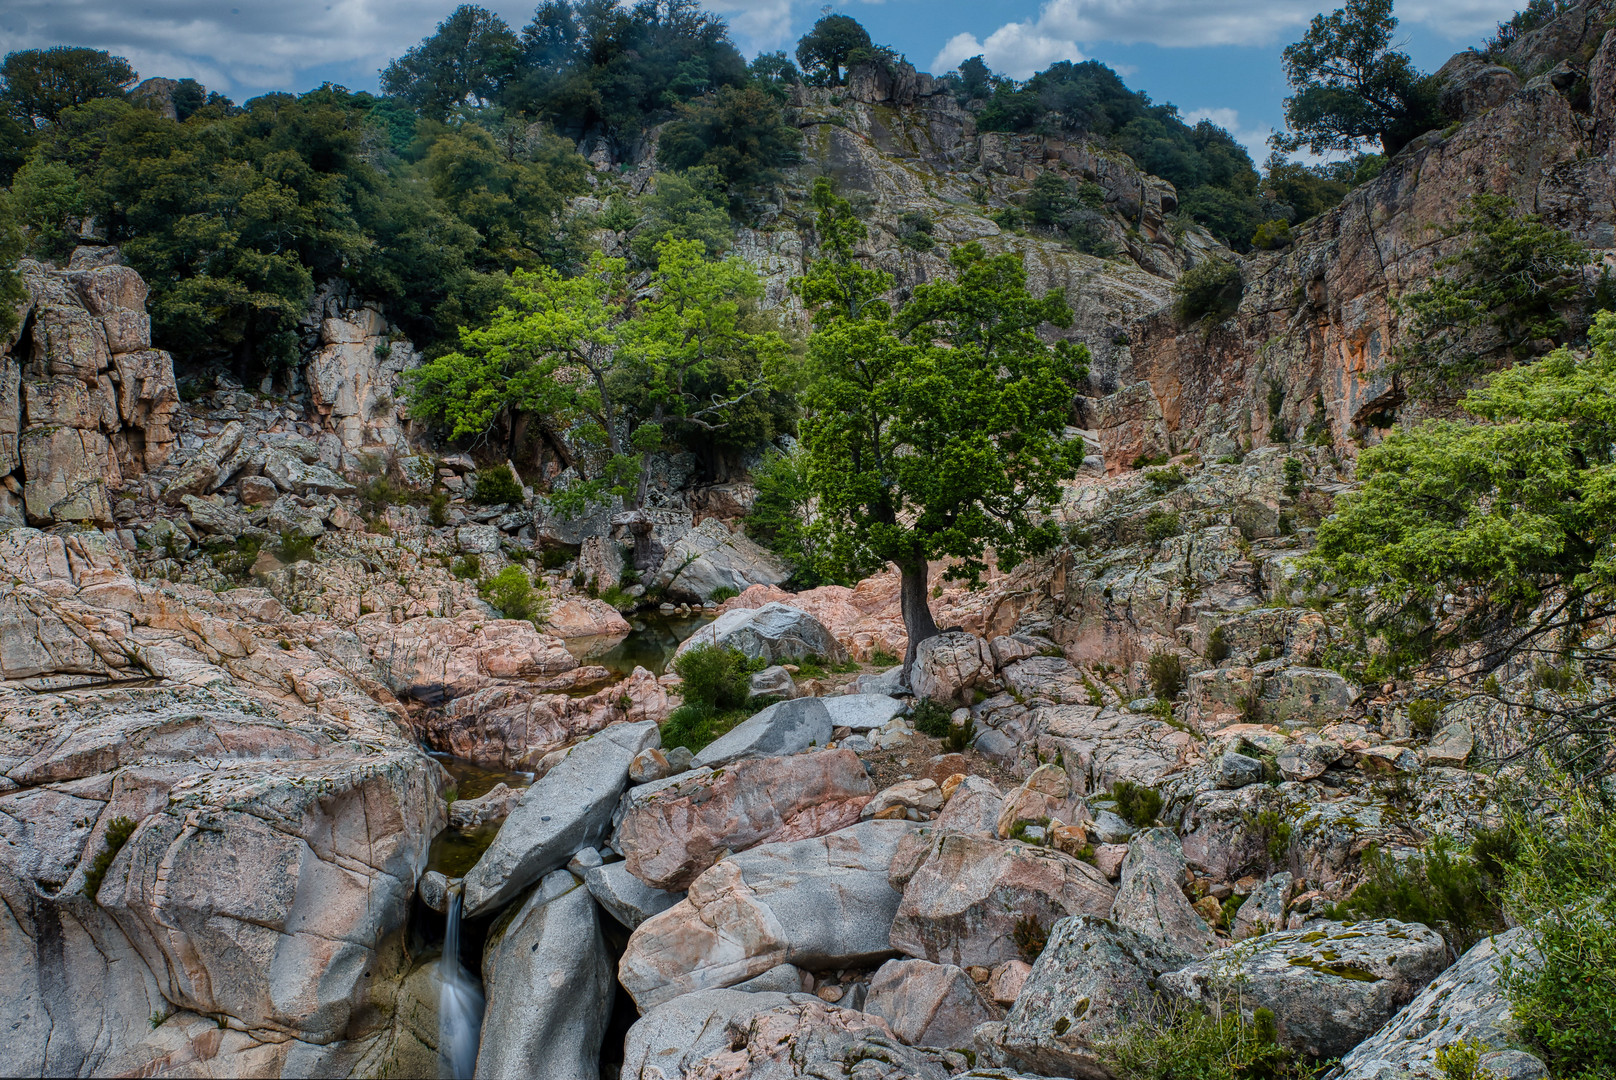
x=460, y=1003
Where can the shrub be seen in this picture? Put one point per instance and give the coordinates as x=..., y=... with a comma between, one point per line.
x=882, y=658
x=1217, y=646
x=467, y=567
x=1161, y=525
x=1295, y=477
x=1273, y=831
x=119, y=830
x=1186, y=1042
x=496, y=486
x=235, y=560
x=1030, y=937
x=1272, y=235
x=1146, y=460
x=295, y=547
x=1167, y=674
x=724, y=592
x=930, y=718
x=1211, y=288
x=511, y=591
x=1423, y=714
x=690, y=725
x=555, y=558
x=1162, y=481
x=1444, y=889
x=438, y=509
x=714, y=676
x=1138, y=805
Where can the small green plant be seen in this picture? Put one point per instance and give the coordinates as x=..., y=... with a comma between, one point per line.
x=959, y=736
x=295, y=547
x=1445, y=889
x=1161, y=525
x=1030, y=937
x=235, y=560
x=1249, y=705
x=1162, y=481
x=1273, y=831
x=511, y=591
x=882, y=658
x=1167, y=674
x=1189, y=1042
x=724, y=592
x=714, y=676
x=437, y=510
x=554, y=558
x=1217, y=645
x=1423, y=714
x=1137, y=804
x=1462, y=1061
x=1144, y=461
x=930, y=718
x=1212, y=288
x=1295, y=477
x=467, y=567
x=496, y=486
x=1272, y=235
x=119, y=830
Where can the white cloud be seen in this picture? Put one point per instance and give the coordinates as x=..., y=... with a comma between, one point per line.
x=1014, y=49
x=757, y=25
x=1254, y=139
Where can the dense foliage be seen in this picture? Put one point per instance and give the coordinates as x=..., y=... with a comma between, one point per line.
x=1188, y=1042
x=934, y=431
x=1353, y=87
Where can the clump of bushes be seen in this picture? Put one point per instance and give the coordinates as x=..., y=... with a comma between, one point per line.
x=1272, y=235
x=1444, y=888
x=1187, y=1042
x=1162, y=481
x=496, y=486
x=1137, y=804
x=467, y=567
x=235, y=560
x=1030, y=937
x=512, y=592
x=1217, y=645
x=1167, y=674
x=1212, y=288
x=119, y=830
x=716, y=676
x=930, y=718
x=1162, y=525
x=295, y=547
x=438, y=509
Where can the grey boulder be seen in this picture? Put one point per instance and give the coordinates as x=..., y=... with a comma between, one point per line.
x=928, y=1004
x=709, y=557
x=567, y=808
x=548, y=977
x=772, y=682
x=785, y=727
x=625, y=897
x=1329, y=985
x=862, y=712
x=773, y=632
x=290, y=473
x=671, y=1038
x=1238, y=770
x=1151, y=900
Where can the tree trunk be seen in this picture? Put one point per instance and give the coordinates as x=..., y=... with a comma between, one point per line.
x=917, y=620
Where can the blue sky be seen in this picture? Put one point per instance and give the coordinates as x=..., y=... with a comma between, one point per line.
x=1213, y=58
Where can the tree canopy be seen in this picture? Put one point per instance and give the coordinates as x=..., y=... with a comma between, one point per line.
x=934, y=431
x=466, y=60
x=39, y=84
x=1352, y=86
x=835, y=43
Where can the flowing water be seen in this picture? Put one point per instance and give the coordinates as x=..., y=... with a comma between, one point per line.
x=460, y=1004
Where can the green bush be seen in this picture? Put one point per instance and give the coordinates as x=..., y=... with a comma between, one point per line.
x=1186, y=1042
x=295, y=547
x=467, y=567
x=1167, y=674
x=1030, y=937
x=557, y=557
x=119, y=830
x=1162, y=481
x=1423, y=714
x=1161, y=525
x=1217, y=645
x=691, y=725
x=883, y=659
x=1211, y=288
x=714, y=676
x=1438, y=886
x=930, y=718
x=438, y=509
x=235, y=560
x=1272, y=235
x=496, y=486
x=1138, y=805
x=511, y=591
x=724, y=592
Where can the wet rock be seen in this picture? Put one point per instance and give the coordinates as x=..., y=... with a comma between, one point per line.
x=625, y=897
x=548, y=978
x=495, y=804
x=823, y=902
x=568, y=807
x=927, y=1004
x=968, y=898
x=785, y=727
x=1330, y=985
x=1465, y=1002
x=772, y=632
x=673, y=831
x=1082, y=991
x=1151, y=900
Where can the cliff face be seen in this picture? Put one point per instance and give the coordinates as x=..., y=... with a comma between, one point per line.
x=1317, y=322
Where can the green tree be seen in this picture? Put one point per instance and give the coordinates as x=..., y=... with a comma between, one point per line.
x=785, y=517
x=741, y=134
x=12, y=293
x=1498, y=534
x=1352, y=86
x=40, y=83
x=834, y=42
x=774, y=74
x=466, y=60
x=48, y=200
x=683, y=206
x=1506, y=296
x=934, y=432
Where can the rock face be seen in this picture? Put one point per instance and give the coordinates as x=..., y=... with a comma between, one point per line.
x=1465, y=1002
x=970, y=899
x=823, y=902
x=433, y=660
x=625, y=897
x=84, y=398
x=353, y=377
x=260, y=819
x=927, y=1004
x=772, y=632
x=1151, y=900
x=673, y=831
x=548, y=978
x=785, y=727
x=671, y=1039
x=1091, y=978
x=567, y=808
x=709, y=557
x=1330, y=985
x=947, y=664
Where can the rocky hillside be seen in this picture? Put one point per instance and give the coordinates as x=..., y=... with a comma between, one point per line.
x=268, y=742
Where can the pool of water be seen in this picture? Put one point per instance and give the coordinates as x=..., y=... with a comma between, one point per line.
x=455, y=851
x=650, y=644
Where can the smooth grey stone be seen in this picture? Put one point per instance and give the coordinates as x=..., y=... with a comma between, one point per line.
x=625, y=897
x=783, y=728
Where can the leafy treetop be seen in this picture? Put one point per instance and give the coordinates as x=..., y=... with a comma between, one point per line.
x=834, y=44
x=40, y=83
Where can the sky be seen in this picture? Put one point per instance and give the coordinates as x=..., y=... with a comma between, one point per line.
x=1214, y=59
